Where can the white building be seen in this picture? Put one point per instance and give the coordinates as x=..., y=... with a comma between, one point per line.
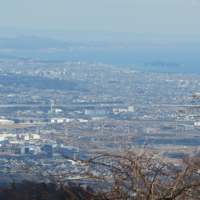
x=30, y=150
x=97, y=118
x=196, y=123
x=67, y=120
x=130, y=109
x=35, y=136
x=57, y=110
x=122, y=110
x=5, y=121
x=53, y=120
x=24, y=137
x=2, y=137
x=58, y=120
x=82, y=120
x=54, y=111
x=96, y=112
x=90, y=112
x=67, y=148
x=6, y=136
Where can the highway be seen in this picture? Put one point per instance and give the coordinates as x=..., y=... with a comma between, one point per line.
x=94, y=105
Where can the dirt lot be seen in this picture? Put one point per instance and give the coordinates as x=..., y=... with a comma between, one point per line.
x=2, y=126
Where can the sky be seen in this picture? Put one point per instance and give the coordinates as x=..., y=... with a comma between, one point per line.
x=135, y=16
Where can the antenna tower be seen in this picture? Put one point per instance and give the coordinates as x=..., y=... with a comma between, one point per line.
x=9, y=145
x=66, y=133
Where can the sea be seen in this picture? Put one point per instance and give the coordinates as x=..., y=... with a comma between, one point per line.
x=126, y=58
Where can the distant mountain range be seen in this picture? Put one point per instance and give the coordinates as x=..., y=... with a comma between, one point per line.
x=96, y=36
x=13, y=38
x=31, y=43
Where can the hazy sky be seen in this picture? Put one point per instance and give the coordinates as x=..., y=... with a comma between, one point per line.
x=137, y=16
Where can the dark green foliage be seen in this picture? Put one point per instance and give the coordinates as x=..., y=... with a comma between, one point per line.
x=37, y=82
x=46, y=191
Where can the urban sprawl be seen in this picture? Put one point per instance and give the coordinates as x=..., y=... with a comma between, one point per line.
x=55, y=108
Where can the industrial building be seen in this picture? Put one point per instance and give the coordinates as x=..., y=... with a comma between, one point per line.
x=130, y=108
x=24, y=137
x=97, y=118
x=5, y=121
x=35, y=136
x=82, y=120
x=119, y=110
x=196, y=123
x=7, y=136
x=56, y=110
x=30, y=150
x=97, y=112
x=71, y=151
x=58, y=120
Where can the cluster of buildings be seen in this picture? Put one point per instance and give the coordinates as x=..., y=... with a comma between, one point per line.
x=85, y=106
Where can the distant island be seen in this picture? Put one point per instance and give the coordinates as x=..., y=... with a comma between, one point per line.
x=163, y=64
x=160, y=64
